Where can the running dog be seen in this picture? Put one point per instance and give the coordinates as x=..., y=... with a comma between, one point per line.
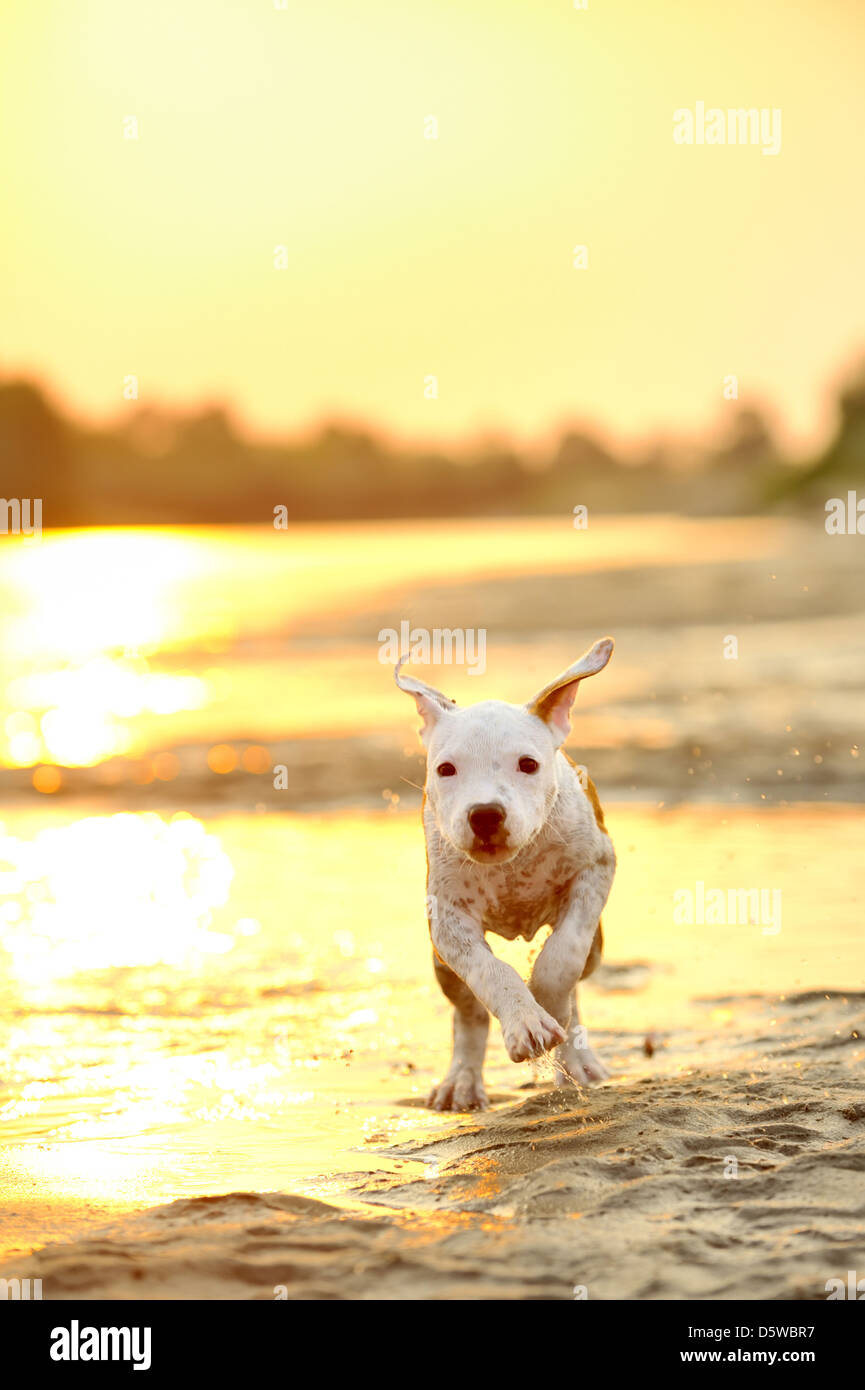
x=515, y=841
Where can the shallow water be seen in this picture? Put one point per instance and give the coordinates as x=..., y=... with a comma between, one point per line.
x=247, y=1003
x=140, y=661
x=195, y=1003
x=120, y=641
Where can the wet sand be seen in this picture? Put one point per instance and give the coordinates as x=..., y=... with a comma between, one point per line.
x=218, y=1021
x=265, y=1133
x=741, y=1182
x=269, y=643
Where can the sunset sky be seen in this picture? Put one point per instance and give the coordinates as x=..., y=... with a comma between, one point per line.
x=410, y=257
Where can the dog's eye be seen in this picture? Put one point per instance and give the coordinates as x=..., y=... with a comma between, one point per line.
x=446, y=770
x=528, y=765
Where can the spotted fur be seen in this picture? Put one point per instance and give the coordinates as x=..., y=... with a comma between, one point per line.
x=516, y=841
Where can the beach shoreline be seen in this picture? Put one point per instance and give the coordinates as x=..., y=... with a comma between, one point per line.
x=745, y=1183
x=268, y=1127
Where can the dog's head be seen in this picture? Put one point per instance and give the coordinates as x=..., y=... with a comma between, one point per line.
x=492, y=770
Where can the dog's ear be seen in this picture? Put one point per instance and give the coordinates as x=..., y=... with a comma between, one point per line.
x=431, y=704
x=553, y=703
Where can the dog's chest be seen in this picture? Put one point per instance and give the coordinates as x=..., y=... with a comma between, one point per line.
x=517, y=900
x=522, y=916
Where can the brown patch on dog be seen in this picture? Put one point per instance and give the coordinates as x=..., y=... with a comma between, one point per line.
x=593, y=959
x=591, y=791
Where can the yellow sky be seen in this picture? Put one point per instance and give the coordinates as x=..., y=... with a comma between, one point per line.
x=410, y=257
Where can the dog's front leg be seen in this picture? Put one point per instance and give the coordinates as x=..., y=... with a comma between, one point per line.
x=459, y=941
x=463, y=1086
x=561, y=963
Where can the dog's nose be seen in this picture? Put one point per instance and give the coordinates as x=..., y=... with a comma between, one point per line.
x=486, y=820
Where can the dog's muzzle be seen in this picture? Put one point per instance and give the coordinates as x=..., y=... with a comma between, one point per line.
x=487, y=824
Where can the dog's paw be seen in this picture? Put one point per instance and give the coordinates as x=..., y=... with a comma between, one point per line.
x=464, y=1090
x=578, y=1066
x=530, y=1032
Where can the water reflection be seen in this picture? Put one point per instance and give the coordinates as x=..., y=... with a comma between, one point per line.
x=83, y=614
x=109, y=891
x=249, y=1004
x=124, y=640
x=78, y=715
x=190, y=1009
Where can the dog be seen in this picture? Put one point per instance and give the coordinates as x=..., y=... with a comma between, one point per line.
x=515, y=840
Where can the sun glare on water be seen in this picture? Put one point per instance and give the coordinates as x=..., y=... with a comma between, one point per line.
x=84, y=615
x=106, y=892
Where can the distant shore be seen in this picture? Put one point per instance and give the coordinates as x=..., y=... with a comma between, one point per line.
x=316, y=774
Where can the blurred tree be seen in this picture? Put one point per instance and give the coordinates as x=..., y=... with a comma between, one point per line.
x=841, y=466
x=733, y=481
x=37, y=453
x=153, y=466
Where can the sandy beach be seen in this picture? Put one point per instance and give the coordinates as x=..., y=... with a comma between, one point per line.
x=266, y=1137
x=218, y=1016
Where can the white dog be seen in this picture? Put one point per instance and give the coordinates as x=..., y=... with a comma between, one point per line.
x=515, y=841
